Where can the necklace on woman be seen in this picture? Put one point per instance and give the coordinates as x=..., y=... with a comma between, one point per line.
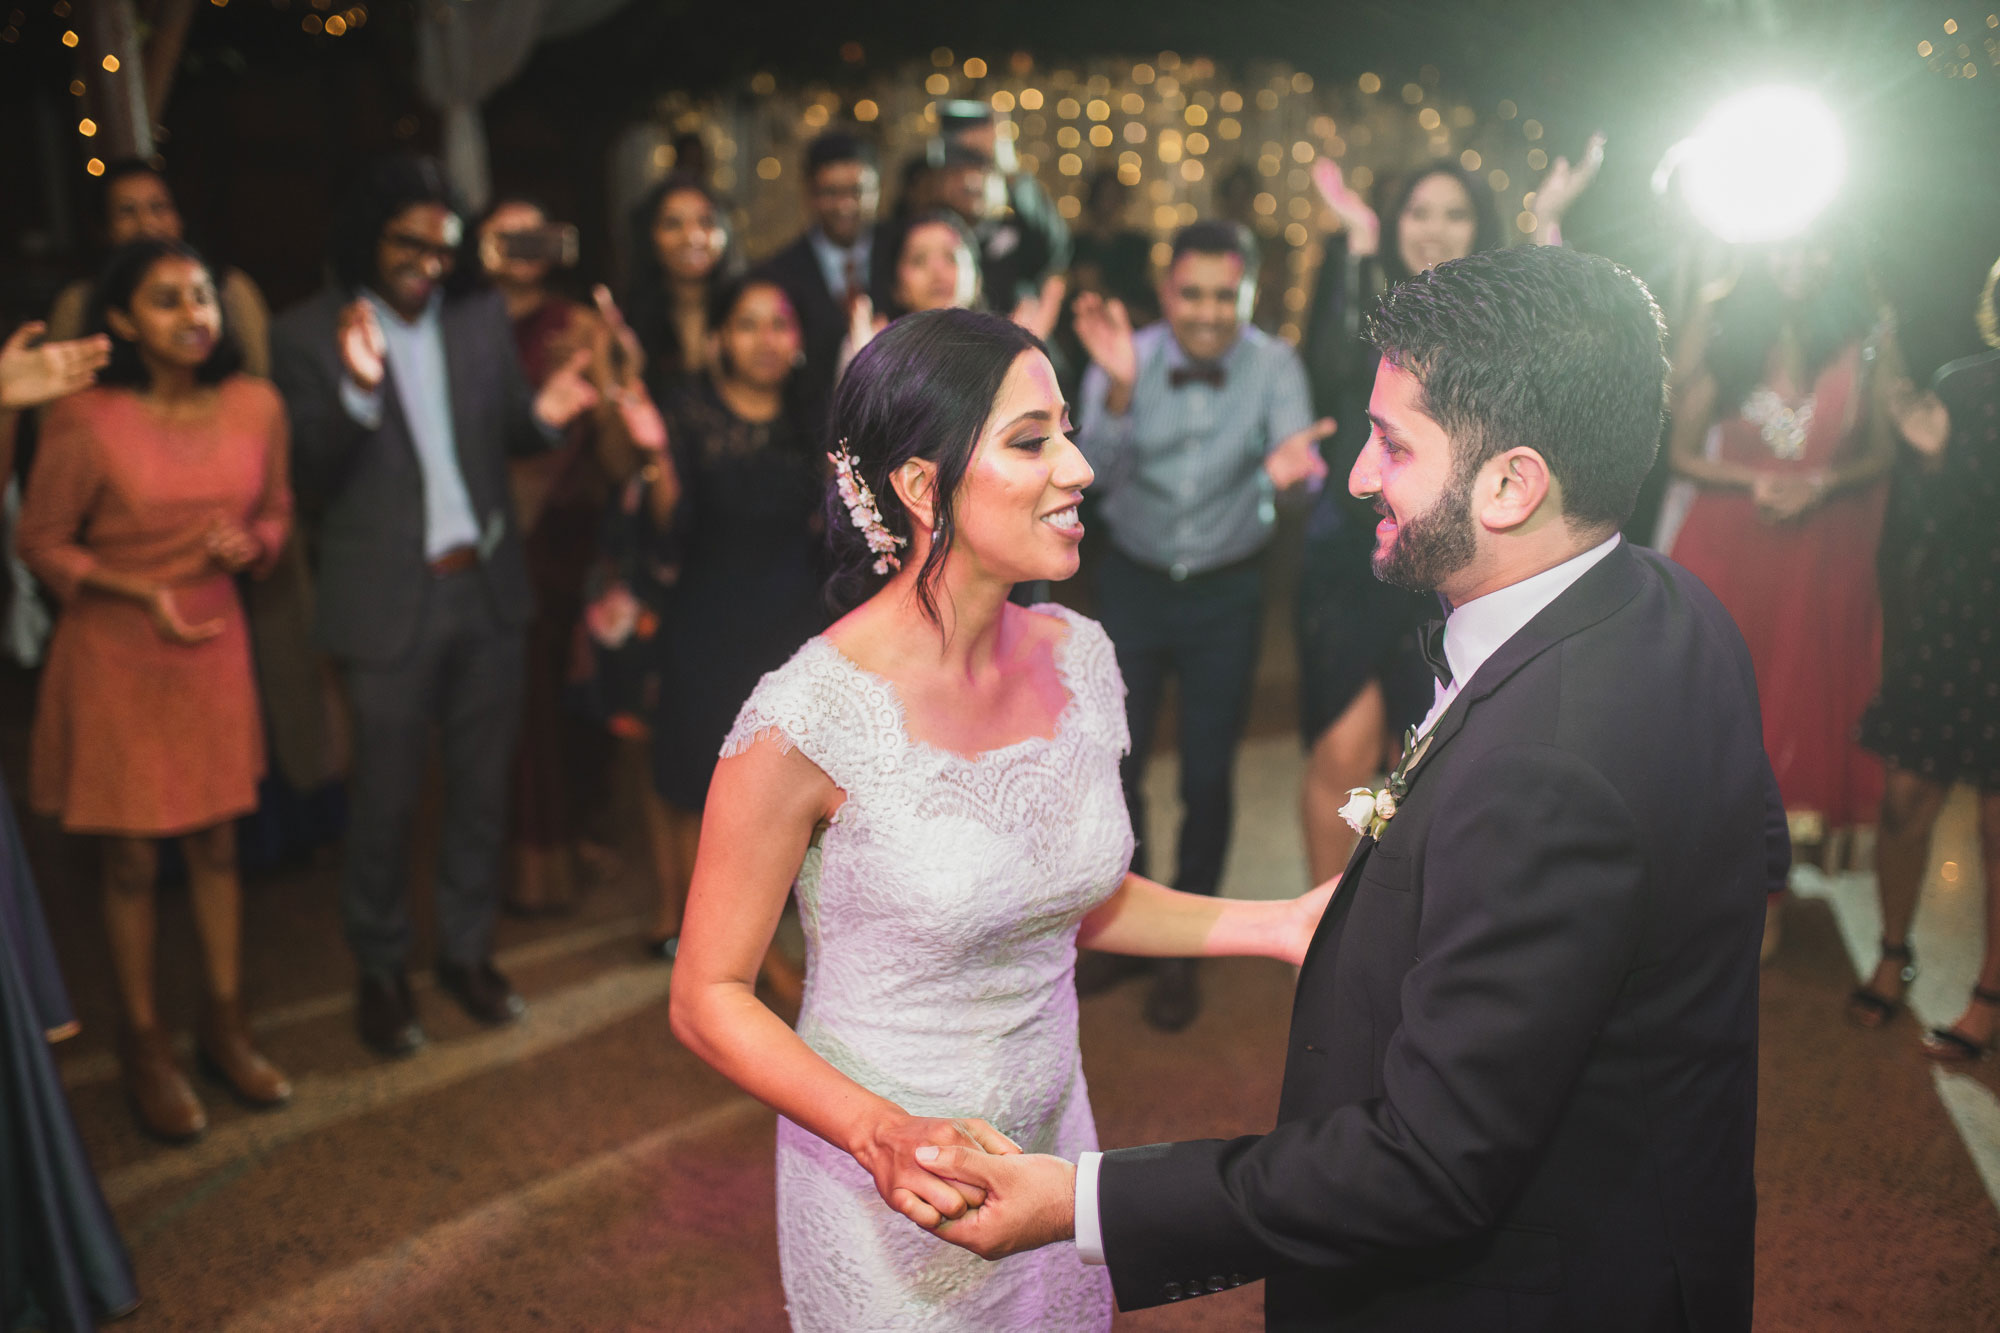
x=1784, y=428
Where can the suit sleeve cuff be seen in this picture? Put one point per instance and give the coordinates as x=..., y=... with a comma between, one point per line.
x=1089, y=1234
x=363, y=406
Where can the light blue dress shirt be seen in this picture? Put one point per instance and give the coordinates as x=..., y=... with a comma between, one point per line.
x=418, y=369
x=1181, y=473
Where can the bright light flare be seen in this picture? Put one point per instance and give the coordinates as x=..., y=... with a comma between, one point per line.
x=1763, y=165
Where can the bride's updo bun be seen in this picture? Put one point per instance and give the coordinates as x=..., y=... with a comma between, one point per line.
x=922, y=388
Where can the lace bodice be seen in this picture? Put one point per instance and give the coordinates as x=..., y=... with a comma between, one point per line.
x=940, y=910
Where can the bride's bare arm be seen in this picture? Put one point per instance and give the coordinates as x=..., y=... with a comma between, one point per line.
x=1154, y=921
x=764, y=807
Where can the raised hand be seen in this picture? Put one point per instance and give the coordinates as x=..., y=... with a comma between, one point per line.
x=567, y=393
x=1364, y=229
x=862, y=323
x=363, y=351
x=31, y=375
x=1297, y=458
x=166, y=617
x=1038, y=313
x=1560, y=188
x=1105, y=331
x=920, y=1195
x=231, y=545
x=1921, y=418
x=626, y=355
x=1028, y=1201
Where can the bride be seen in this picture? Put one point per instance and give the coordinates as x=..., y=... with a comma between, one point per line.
x=939, y=774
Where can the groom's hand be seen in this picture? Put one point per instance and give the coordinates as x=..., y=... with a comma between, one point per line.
x=910, y=1189
x=1030, y=1201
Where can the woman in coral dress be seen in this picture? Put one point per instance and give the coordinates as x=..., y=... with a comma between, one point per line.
x=1779, y=423
x=149, y=494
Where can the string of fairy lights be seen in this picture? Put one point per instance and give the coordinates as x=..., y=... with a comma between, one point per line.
x=1174, y=129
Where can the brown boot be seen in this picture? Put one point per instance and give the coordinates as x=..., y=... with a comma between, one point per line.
x=167, y=1106
x=228, y=1056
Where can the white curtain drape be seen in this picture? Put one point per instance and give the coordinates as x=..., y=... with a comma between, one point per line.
x=468, y=49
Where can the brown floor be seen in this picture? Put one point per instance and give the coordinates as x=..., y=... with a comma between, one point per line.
x=583, y=1171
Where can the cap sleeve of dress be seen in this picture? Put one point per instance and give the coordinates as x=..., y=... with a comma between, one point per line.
x=1090, y=669
x=847, y=722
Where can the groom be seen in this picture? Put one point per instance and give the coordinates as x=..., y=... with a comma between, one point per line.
x=1520, y=1088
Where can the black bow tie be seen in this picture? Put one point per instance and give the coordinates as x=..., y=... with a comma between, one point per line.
x=1430, y=642
x=1207, y=373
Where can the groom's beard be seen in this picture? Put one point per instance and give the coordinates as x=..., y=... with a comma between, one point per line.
x=1434, y=545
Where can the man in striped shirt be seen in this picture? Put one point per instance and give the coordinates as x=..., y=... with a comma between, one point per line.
x=1193, y=425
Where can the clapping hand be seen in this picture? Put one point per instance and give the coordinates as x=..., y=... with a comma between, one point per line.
x=363, y=351
x=862, y=323
x=31, y=375
x=165, y=614
x=231, y=545
x=624, y=352
x=1364, y=229
x=1038, y=313
x=1560, y=188
x=567, y=393
x=890, y=1155
x=1105, y=331
x=1921, y=418
x=1297, y=458
x=1027, y=1201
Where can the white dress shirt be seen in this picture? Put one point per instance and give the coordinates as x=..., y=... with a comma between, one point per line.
x=1472, y=634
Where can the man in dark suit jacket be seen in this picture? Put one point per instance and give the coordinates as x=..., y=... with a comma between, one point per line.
x=832, y=262
x=1520, y=1088
x=405, y=403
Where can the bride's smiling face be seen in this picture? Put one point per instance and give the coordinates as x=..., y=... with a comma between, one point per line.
x=1016, y=507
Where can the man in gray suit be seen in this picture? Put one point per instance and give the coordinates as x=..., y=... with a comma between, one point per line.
x=406, y=401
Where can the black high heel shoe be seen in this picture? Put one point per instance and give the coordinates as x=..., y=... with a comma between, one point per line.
x=1868, y=1008
x=1952, y=1047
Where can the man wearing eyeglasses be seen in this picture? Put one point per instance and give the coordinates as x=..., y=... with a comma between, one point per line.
x=406, y=399
x=830, y=264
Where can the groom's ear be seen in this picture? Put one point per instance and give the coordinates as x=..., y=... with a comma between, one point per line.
x=1513, y=488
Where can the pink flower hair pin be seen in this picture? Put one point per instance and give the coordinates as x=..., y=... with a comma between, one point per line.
x=861, y=508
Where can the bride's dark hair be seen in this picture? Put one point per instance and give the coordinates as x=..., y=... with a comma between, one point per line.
x=922, y=388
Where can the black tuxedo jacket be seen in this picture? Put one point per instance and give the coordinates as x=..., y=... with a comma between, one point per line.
x=1520, y=1090
x=822, y=315
x=363, y=489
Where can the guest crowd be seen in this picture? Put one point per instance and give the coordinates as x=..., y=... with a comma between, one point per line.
x=448, y=497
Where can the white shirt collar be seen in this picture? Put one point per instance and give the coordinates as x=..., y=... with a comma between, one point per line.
x=1475, y=631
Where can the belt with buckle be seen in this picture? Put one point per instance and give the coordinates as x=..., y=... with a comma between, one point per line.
x=455, y=561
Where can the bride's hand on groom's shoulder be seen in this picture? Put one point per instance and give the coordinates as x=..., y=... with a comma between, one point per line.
x=1029, y=1199
x=889, y=1155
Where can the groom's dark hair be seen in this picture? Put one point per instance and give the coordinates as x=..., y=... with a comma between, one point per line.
x=1539, y=346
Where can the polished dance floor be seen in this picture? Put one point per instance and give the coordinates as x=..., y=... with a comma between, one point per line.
x=582, y=1171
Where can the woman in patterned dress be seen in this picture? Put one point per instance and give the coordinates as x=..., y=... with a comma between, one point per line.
x=1936, y=721
x=939, y=774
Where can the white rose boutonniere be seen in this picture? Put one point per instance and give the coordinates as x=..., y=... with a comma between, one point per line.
x=1369, y=809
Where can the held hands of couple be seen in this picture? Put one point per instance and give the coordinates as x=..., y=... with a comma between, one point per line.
x=1026, y=1200
x=889, y=1155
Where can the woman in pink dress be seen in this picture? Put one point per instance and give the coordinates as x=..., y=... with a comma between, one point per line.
x=150, y=493
x=1779, y=423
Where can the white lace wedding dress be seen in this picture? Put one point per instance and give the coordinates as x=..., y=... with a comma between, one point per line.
x=940, y=912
